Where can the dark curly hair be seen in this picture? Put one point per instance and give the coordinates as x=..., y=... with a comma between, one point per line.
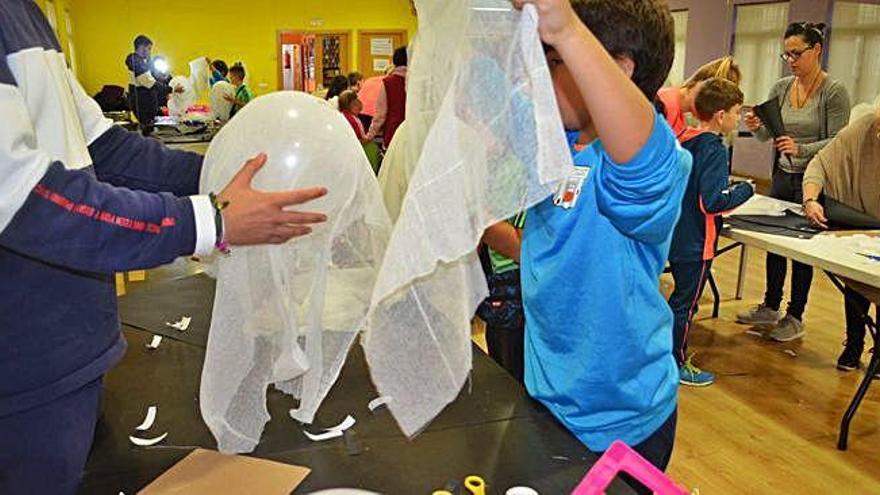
x=812, y=34
x=641, y=30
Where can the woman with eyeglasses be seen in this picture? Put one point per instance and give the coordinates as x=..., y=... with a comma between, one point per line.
x=814, y=108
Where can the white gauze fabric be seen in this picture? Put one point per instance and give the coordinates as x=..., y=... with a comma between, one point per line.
x=287, y=315
x=179, y=102
x=200, y=75
x=481, y=94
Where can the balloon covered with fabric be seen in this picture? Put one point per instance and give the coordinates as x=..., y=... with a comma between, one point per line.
x=221, y=107
x=286, y=315
x=179, y=101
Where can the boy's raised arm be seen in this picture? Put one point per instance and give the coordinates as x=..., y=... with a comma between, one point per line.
x=622, y=116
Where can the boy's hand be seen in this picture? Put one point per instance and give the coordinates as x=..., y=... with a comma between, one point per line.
x=556, y=19
x=257, y=217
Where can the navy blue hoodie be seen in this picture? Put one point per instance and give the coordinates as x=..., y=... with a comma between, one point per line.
x=708, y=194
x=79, y=200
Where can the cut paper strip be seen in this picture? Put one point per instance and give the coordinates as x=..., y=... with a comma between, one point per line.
x=154, y=344
x=182, y=324
x=377, y=403
x=755, y=333
x=790, y=352
x=149, y=420
x=334, y=432
x=521, y=490
x=144, y=442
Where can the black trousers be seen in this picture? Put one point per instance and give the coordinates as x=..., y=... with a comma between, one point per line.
x=44, y=450
x=656, y=449
x=690, y=280
x=857, y=307
x=788, y=187
x=506, y=347
x=145, y=105
x=505, y=322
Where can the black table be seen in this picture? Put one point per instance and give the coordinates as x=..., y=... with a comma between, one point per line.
x=493, y=429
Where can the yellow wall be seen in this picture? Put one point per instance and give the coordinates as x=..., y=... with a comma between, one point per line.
x=244, y=30
x=61, y=8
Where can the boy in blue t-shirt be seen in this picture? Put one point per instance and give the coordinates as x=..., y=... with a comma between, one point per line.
x=708, y=194
x=598, y=331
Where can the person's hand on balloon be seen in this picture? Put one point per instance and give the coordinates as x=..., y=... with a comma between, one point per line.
x=787, y=145
x=229, y=98
x=258, y=217
x=179, y=89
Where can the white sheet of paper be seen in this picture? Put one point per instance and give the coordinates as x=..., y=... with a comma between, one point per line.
x=149, y=420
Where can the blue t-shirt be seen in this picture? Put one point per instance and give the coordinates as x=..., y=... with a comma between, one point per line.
x=598, y=351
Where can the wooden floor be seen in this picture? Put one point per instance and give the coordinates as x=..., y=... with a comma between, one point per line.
x=769, y=424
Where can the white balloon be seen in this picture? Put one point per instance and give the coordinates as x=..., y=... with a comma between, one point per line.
x=220, y=106
x=286, y=315
x=306, y=142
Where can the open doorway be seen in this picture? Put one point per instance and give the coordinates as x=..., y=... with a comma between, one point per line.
x=309, y=60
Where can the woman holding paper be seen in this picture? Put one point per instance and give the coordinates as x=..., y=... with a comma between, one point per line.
x=848, y=170
x=813, y=108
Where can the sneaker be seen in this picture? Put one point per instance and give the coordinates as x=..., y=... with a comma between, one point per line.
x=788, y=329
x=692, y=376
x=759, y=315
x=849, y=358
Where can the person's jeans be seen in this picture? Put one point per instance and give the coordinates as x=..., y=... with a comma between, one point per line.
x=787, y=187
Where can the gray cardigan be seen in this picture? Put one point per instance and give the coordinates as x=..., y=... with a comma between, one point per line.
x=834, y=107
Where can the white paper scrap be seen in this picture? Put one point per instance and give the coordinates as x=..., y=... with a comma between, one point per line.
x=334, y=432
x=154, y=344
x=144, y=442
x=149, y=420
x=181, y=324
x=378, y=402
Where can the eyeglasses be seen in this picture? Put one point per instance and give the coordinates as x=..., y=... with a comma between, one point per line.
x=794, y=55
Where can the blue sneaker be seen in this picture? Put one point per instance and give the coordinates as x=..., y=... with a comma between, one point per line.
x=692, y=376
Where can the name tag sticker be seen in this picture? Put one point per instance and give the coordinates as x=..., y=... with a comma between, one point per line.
x=570, y=189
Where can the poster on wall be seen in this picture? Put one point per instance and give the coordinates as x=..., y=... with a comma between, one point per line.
x=380, y=64
x=381, y=47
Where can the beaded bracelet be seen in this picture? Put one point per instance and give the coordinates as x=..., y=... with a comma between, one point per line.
x=219, y=206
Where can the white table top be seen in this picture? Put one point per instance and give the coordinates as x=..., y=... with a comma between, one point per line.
x=835, y=252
